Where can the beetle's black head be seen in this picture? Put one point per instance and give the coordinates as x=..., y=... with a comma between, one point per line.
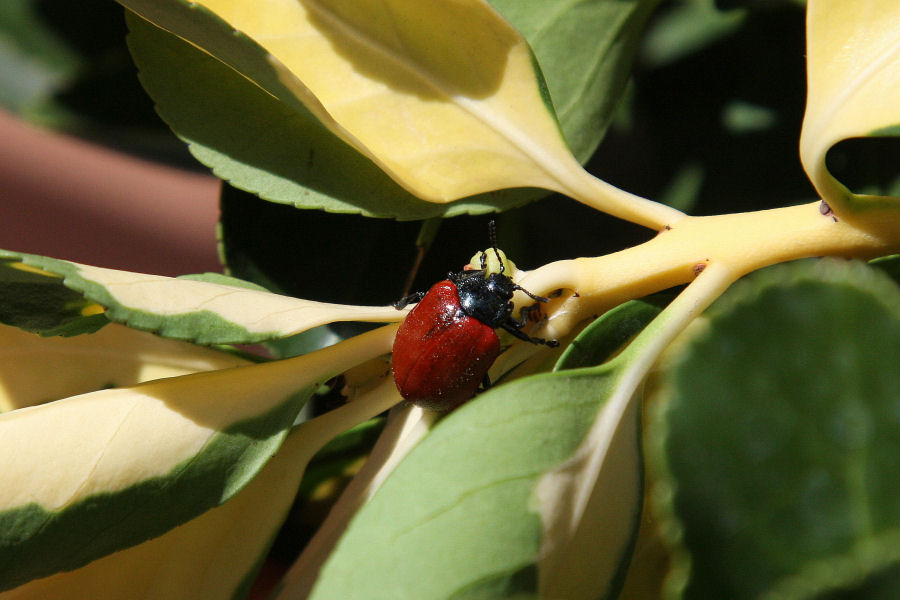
x=486, y=294
x=488, y=299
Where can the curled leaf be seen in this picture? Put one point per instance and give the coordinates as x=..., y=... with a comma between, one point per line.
x=853, y=74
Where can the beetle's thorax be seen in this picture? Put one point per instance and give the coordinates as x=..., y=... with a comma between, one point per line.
x=487, y=299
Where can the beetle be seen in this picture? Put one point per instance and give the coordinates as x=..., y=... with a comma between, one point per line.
x=448, y=341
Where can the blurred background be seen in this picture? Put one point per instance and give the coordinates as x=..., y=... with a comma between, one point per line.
x=89, y=172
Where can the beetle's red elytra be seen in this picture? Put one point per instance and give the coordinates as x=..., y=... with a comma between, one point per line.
x=441, y=355
x=447, y=343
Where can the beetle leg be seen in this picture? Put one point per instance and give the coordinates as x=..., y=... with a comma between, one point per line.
x=486, y=382
x=513, y=329
x=530, y=295
x=411, y=299
x=523, y=315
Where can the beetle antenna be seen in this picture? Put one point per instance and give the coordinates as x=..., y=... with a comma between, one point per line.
x=492, y=236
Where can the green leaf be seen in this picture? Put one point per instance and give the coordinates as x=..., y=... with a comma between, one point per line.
x=475, y=473
x=204, y=309
x=445, y=98
x=585, y=51
x=95, y=469
x=890, y=265
x=686, y=27
x=214, y=556
x=38, y=302
x=458, y=518
x=610, y=333
x=778, y=442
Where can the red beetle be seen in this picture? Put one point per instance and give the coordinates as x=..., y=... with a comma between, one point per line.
x=447, y=343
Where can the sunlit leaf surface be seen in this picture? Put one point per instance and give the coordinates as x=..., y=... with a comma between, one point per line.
x=203, y=310
x=444, y=97
x=35, y=369
x=91, y=474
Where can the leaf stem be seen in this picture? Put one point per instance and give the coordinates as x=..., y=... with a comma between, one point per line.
x=596, y=193
x=743, y=242
x=312, y=435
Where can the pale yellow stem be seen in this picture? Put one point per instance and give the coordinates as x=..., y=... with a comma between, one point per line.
x=743, y=242
x=596, y=193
